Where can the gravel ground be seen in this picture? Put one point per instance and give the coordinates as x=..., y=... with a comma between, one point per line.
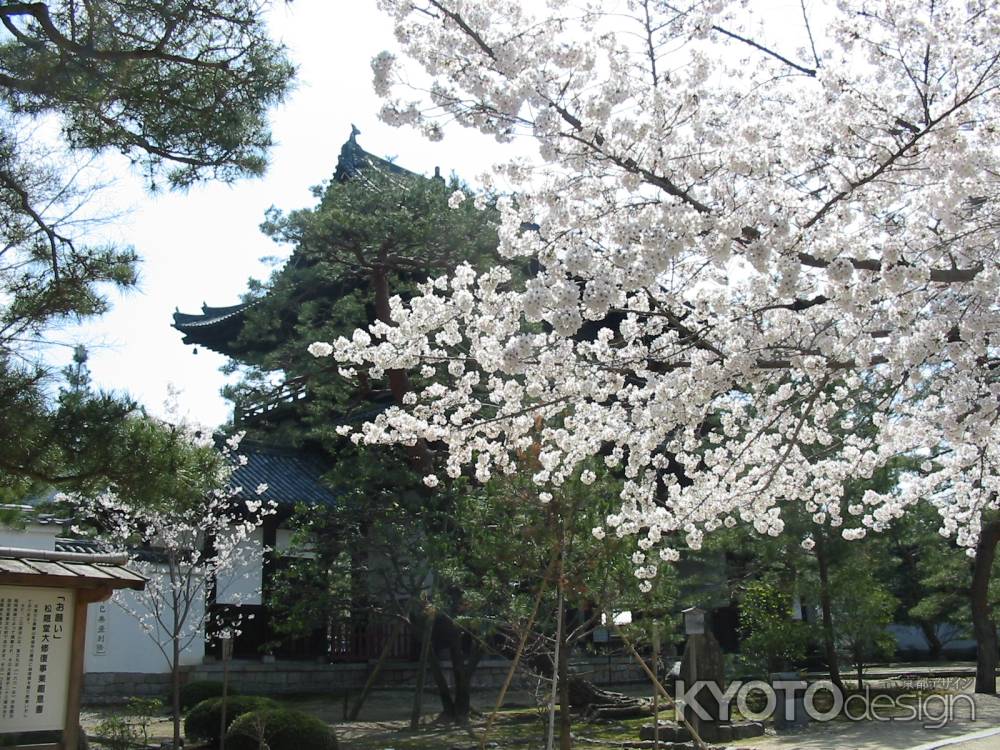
x=387, y=712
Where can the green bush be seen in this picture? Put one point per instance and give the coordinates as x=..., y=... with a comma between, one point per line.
x=202, y=721
x=129, y=728
x=771, y=638
x=282, y=729
x=195, y=692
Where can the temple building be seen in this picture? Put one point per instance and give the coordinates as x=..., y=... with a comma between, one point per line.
x=292, y=469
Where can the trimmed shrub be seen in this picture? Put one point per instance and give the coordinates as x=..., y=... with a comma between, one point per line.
x=202, y=721
x=282, y=729
x=195, y=692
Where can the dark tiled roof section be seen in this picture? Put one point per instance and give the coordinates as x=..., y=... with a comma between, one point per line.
x=215, y=328
x=354, y=161
x=291, y=476
x=64, y=544
x=34, y=517
x=209, y=315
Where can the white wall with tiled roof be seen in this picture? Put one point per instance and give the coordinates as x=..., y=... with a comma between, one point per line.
x=116, y=641
x=125, y=647
x=243, y=586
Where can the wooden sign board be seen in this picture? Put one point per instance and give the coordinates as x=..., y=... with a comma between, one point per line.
x=43, y=622
x=36, y=636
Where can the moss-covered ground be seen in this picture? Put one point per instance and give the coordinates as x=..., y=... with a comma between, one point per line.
x=514, y=728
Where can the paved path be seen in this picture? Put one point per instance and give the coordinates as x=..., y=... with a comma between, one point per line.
x=890, y=735
x=991, y=743
x=988, y=738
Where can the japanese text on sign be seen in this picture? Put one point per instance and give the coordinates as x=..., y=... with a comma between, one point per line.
x=35, y=636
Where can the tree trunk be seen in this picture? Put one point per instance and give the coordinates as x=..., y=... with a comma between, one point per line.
x=175, y=679
x=565, y=720
x=425, y=650
x=444, y=691
x=463, y=668
x=550, y=733
x=399, y=381
x=456, y=705
x=829, y=646
x=983, y=625
x=175, y=650
x=934, y=645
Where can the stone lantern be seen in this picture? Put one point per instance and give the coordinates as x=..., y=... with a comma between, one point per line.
x=703, y=663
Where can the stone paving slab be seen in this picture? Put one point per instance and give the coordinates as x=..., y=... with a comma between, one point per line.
x=989, y=743
x=988, y=738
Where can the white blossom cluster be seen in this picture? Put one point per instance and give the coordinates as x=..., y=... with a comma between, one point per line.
x=185, y=551
x=767, y=258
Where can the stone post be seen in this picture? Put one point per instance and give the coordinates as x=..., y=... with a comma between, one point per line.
x=789, y=692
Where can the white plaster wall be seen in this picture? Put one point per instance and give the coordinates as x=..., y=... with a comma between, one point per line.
x=283, y=540
x=127, y=647
x=32, y=536
x=243, y=585
x=284, y=544
x=910, y=637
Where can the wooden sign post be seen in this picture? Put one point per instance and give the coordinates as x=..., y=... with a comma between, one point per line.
x=43, y=633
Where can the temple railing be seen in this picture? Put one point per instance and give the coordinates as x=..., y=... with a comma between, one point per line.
x=287, y=393
x=365, y=642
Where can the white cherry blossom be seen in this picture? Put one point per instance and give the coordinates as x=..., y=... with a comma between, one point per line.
x=764, y=257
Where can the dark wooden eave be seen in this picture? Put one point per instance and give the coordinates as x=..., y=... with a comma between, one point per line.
x=215, y=328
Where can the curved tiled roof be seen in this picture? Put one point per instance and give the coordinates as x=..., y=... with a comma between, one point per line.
x=216, y=328
x=354, y=161
x=67, y=544
x=209, y=315
x=291, y=476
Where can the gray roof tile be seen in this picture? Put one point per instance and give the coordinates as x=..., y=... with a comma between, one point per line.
x=291, y=476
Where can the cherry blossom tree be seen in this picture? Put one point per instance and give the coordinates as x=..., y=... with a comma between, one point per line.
x=766, y=252
x=192, y=547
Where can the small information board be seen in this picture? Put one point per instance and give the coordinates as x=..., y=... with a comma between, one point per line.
x=36, y=635
x=44, y=595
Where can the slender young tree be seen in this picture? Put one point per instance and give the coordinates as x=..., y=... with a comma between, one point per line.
x=187, y=532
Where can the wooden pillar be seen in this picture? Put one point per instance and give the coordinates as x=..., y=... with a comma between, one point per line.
x=268, y=568
x=78, y=648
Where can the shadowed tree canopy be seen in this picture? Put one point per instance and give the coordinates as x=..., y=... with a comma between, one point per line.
x=182, y=90
x=374, y=233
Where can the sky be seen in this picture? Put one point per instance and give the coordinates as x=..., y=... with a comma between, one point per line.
x=201, y=246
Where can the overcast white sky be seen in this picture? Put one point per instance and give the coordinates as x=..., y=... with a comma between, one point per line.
x=203, y=245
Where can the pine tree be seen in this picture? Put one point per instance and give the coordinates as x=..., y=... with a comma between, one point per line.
x=181, y=90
